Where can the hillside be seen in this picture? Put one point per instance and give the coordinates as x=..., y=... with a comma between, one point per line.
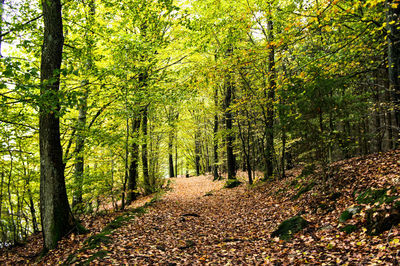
x=198, y=221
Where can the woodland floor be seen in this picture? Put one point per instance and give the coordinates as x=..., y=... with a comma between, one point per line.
x=199, y=222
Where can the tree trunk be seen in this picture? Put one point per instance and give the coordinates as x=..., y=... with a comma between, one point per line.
x=56, y=216
x=231, y=161
x=81, y=125
x=197, y=152
x=146, y=177
x=393, y=15
x=33, y=212
x=170, y=155
x=79, y=156
x=133, y=168
x=1, y=24
x=269, y=149
x=215, y=139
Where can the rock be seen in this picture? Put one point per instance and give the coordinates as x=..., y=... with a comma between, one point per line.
x=289, y=227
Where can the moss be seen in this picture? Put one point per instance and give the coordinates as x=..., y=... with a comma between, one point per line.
x=289, y=227
x=116, y=223
x=303, y=189
x=80, y=229
x=348, y=229
x=308, y=170
x=348, y=214
x=371, y=196
x=100, y=254
x=232, y=183
x=94, y=241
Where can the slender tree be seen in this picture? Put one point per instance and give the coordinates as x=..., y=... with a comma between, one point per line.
x=392, y=20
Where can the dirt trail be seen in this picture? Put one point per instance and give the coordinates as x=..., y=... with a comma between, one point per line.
x=196, y=222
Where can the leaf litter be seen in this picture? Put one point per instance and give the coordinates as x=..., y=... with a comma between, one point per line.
x=199, y=222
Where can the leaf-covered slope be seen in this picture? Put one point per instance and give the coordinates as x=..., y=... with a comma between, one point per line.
x=199, y=221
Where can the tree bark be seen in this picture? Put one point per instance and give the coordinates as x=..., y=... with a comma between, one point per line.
x=269, y=149
x=56, y=216
x=81, y=124
x=170, y=154
x=145, y=163
x=231, y=161
x=197, y=152
x=134, y=165
x=1, y=24
x=393, y=19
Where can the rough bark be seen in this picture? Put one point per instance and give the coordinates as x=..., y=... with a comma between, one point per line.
x=56, y=216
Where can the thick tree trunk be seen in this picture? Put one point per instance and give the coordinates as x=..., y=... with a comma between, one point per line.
x=134, y=165
x=56, y=216
x=269, y=149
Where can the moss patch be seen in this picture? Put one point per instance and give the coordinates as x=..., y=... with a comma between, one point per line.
x=305, y=188
x=289, y=227
x=348, y=214
x=232, y=183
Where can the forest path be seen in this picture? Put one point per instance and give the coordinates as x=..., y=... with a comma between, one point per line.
x=196, y=222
